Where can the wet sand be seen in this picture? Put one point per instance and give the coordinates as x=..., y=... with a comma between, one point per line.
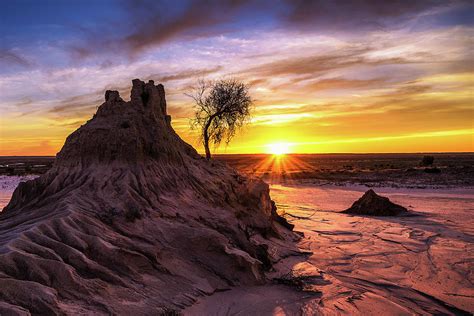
x=421, y=264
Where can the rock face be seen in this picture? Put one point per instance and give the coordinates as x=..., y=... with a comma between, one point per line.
x=132, y=220
x=373, y=204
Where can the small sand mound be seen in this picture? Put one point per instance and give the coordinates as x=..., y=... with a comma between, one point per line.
x=373, y=204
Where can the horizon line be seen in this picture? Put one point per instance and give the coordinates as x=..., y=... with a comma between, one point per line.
x=270, y=154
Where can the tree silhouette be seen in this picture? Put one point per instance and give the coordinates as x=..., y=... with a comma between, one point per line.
x=221, y=108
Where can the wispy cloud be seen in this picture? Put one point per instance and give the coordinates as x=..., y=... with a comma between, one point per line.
x=151, y=23
x=10, y=56
x=394, y=137
x=361, y=15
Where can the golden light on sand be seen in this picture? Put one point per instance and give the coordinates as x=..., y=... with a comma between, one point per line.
x=278, y=149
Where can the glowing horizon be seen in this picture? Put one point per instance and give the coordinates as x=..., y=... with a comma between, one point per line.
x=401, y=81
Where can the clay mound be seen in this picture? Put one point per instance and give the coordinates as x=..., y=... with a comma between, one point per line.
x=132, y=220
x=373, y=204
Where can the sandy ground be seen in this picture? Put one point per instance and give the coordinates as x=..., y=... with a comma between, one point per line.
x=422, y=264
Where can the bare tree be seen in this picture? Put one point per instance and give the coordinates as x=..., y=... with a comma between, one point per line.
x=221, y=108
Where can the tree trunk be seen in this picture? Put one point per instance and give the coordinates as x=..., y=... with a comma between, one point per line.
x=206, y=138
x=206, y=146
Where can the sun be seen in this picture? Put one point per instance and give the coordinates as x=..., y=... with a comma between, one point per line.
x=278, y=149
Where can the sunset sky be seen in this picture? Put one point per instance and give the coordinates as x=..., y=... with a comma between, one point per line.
x=326, y=76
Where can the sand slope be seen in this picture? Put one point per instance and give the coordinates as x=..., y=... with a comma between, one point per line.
x=131, y=220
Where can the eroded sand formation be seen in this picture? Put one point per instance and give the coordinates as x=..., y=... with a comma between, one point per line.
x=132, y=220
x=375, y=205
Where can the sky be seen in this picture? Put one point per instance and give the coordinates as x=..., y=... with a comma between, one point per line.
x=326, y=76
